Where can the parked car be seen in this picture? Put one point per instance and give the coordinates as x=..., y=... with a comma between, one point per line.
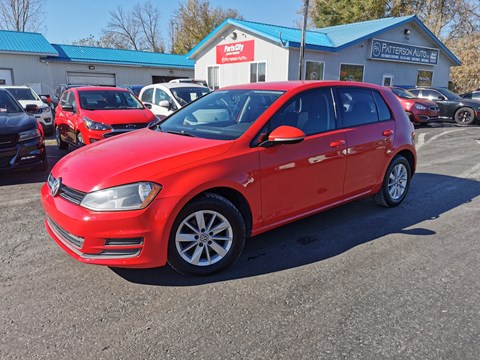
x=472, y=95
x=233, y=164
x=134, y=89
x=88, y=114
x=452, y=106
x=25, y=95
x=420, y=111
x=21, y=136
x=167, y=98
x=189, y=81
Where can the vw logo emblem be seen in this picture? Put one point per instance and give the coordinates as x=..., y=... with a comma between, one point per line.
x=56, y=186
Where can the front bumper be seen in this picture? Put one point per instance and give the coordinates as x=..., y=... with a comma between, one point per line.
x=134, y=239
x=26, y=154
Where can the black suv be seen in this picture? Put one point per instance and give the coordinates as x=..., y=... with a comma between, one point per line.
x=452, y=106
x=21, y=138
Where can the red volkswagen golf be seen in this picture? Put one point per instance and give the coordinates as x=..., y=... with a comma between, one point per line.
x=242, y=160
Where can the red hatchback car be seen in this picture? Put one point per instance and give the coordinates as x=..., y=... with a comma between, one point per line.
x=88, y=114
x=420, y=111
x=233, y=164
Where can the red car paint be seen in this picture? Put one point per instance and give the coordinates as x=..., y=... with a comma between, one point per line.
x=270, y=183
x=420, y=111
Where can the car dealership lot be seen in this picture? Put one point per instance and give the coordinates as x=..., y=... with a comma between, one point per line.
x=355, y=282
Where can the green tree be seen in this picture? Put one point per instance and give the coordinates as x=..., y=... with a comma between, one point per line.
x=193, y=21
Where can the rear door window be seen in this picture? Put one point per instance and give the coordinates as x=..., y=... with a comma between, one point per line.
x=359, y=106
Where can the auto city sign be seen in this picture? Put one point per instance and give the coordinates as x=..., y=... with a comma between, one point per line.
x=392, y=51
x=236, y=52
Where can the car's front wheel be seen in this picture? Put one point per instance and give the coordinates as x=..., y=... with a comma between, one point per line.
x=464, y=116
x=207, y=236
x=395, y=183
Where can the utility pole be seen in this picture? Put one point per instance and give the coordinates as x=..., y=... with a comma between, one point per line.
x=302, y=44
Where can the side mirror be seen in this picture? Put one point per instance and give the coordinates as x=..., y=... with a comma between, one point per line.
x=44, y=99
x=148, y=105
x=284, y=135
x=31, y=108
x=67, y=107
x=441, y=98
x=164, y=103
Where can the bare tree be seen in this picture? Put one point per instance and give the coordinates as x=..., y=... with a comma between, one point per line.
x=136, y=29
x=21, y=15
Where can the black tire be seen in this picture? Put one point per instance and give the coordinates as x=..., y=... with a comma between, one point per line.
x=62, y=145
x=202, y=251
x=464, y=116
x=395, y=183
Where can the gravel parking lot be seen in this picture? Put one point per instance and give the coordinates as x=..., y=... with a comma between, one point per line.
x=355, y=282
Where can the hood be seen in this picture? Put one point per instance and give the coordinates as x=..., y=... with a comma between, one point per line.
x=124, y=116
x=140, y=155
x=16, y=122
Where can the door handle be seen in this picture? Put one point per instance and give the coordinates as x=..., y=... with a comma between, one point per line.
x=387, y=133
x=337, y=144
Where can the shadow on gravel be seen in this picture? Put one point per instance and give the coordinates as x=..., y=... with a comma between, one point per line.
x=331, y=233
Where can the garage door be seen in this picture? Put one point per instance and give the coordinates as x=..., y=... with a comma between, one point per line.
x=5, y=77
x=102, y=79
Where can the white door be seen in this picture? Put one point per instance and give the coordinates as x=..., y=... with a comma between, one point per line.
x=6, y=77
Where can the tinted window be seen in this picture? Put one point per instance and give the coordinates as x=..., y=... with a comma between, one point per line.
x=415, y=92
x=147, y=95
x=382, y=108
x=311, y=111
x=357, y=106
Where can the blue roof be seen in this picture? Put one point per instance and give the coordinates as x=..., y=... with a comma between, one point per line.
x=88, y=54
x=25, y=42
x=333, y=39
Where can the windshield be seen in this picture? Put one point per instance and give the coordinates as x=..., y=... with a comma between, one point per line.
x=404, y=94
x=222, y=115
x=8, y=104
x=23, y=94
x=108, y=100
x=185, y=95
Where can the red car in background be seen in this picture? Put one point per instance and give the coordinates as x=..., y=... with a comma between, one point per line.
x=189, y=189
x=420, y=111
x=88, y=114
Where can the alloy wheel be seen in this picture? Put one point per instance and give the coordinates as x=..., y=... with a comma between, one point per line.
x=397, y=182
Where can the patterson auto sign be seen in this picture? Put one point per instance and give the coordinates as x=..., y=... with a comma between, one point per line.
x=392, y=51
x=236, y=52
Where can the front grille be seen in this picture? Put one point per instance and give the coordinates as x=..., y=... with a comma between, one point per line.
x=67, y=193
x=128, y=127
x=8, y=140
x=65, y=236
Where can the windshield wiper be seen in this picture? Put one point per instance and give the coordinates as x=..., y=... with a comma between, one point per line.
x=181, y=132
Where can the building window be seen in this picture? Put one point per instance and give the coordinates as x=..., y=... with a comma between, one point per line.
x=424, y=78
x=314, y=70
x=257, y=72
x=387, y=80
x=212, y=77
x=351, y=72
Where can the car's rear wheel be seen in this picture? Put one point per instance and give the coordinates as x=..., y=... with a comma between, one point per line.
x=464, y=116
x=207, y=236
x=62, y=145
x=395, y=183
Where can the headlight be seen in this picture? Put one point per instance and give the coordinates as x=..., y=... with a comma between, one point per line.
x=126, y=197
x=93, y=125
x=420, y=106
x=30, y=134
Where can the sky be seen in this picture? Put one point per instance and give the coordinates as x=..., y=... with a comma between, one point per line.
x=67, y=21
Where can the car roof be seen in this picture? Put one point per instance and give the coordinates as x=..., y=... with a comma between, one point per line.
x=293, y=84
x=93, y=88
x=176, y=85
x=14, y=87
